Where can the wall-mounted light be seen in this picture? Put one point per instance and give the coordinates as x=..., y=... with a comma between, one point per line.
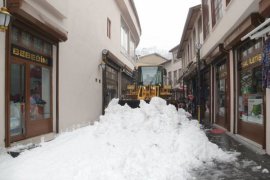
x=102, y=65
x=4, y=17
x=198, y=46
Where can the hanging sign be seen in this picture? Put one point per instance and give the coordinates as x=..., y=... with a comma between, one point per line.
x=29, y=55
x=266, y=64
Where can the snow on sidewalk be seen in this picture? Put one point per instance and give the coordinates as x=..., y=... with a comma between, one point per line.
x=153, y=142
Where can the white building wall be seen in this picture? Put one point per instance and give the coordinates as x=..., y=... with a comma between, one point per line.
x=80, y=95
x=80, y=77
x=2, y=88
x=233, y=15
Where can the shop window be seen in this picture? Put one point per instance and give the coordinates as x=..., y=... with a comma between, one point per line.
x=40, y=92
x=30, y=85
x=221, y=89
x=250, y=99
x=17, y=99
x=250, y=85
x=111, y=84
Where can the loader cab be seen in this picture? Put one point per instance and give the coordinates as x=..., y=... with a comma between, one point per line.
x=150, y=75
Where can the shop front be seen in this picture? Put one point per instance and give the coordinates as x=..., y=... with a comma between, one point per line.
x=251, y=95
x=205, y=95
x=115, y=77
x=222, y=94
x=29, y=98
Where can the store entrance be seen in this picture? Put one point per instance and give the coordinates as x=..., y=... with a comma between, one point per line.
x=222, y=95
x=29, y=99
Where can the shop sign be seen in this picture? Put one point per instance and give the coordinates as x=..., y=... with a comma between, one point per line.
x=252, y=60
x=29, y=55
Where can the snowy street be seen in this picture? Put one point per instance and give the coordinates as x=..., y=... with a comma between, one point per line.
x=154, y=141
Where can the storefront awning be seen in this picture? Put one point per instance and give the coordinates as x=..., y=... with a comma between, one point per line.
x=259, y=31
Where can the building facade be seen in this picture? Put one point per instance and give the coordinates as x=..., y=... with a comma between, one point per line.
x=173, y=68
x=62, y=63
x=236, y=65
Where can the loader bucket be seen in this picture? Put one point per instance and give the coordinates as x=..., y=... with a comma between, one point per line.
x=133, y=103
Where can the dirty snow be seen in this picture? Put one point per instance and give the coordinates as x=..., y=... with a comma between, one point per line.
x=153, y=142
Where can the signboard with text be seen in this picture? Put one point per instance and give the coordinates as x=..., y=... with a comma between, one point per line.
x=30, y=55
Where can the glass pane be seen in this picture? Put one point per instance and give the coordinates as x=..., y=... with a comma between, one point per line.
x=15, y=35
x=17, y=99
x=250, y=99
x=151, y=75
x=38, y=44
x=221, y=97
x=26, y=39
x=40, y=94
x=47, y=49
x=112, y=84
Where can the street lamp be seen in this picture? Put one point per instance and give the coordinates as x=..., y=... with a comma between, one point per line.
x=198, y=48
x=4, y=17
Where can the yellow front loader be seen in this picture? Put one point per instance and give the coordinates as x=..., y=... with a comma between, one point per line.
x=148, y=83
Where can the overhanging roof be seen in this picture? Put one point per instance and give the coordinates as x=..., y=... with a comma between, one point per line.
x=259, y=31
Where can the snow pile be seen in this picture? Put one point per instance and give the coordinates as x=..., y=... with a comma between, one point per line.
x=151, y=142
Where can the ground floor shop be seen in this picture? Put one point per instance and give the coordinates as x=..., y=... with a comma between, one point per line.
x=30, y=75
x=116, y=76
x=239, y=83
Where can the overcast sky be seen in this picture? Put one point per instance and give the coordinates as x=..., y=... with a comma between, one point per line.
x=162, y=21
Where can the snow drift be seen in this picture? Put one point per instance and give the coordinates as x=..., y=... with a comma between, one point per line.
x=154, y=141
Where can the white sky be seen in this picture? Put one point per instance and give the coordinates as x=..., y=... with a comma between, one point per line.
x=162, y=21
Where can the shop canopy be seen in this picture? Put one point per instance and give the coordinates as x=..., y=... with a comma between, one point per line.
x=260, y=31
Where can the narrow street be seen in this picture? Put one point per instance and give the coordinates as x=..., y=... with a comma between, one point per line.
x=135, y=90
x=250, y=165
x=153, y=142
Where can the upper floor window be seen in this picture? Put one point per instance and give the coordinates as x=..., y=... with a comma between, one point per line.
x=169, y=77
x=216, y=7
x=175, y=77
x=109, y=24
x=227, y=2
x=124, y=37
x=132, y=48
x=194, y=41
x=205, y=13
x=199, y=35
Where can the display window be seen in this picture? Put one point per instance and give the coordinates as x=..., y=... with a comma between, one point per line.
x=251, y=96
x=250, y=91
x=111, y=84
x=29, y=85
x=250, y=83
x=221, y=94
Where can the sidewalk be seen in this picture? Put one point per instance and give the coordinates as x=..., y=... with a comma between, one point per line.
x=250, y=165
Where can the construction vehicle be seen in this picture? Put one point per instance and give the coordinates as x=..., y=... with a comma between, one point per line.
x=148, y=82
